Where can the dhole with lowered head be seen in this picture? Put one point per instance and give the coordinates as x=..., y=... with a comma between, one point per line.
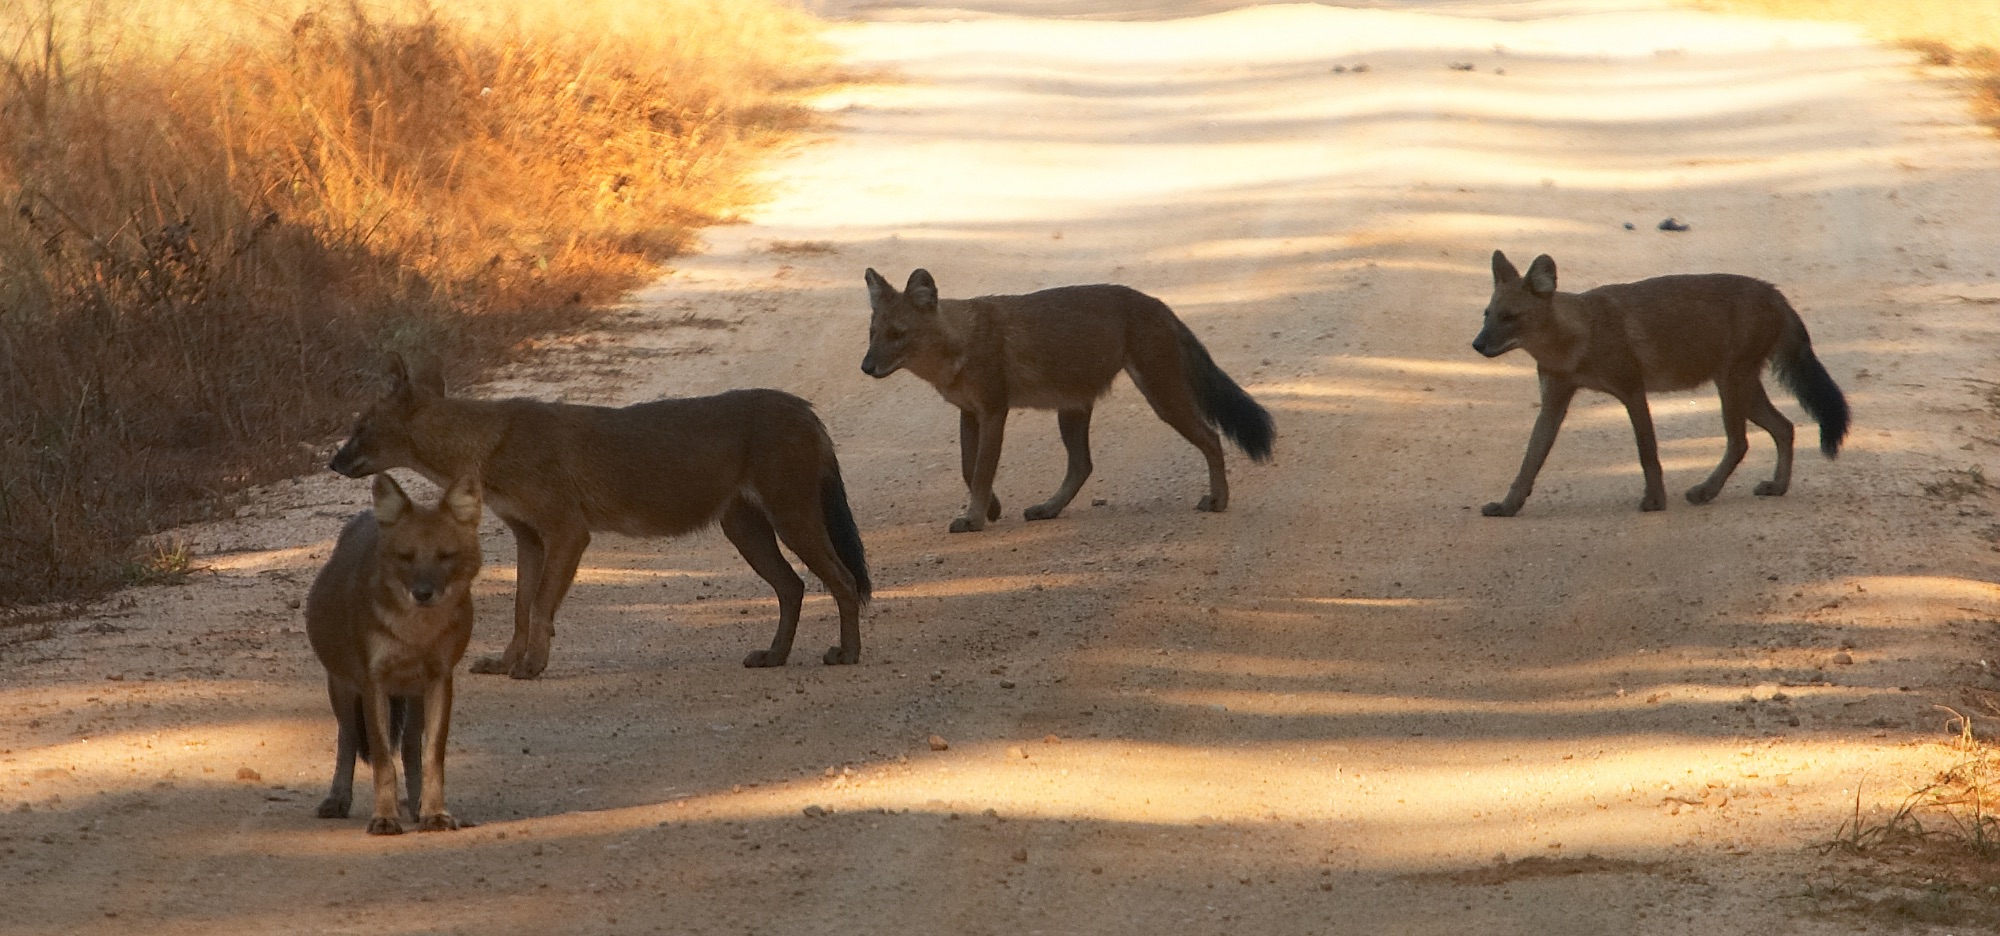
x=389, y=617
x=1056, y=349
x=757, y=462
x=1665, y=333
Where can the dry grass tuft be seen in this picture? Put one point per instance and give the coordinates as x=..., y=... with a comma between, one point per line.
x=1931, y=860
x=215, y=218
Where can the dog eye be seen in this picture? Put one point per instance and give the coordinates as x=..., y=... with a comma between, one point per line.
x=447, y=556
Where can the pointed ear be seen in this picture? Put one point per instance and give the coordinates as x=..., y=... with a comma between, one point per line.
x=1542, y=276
x=462, y=499
x=409, y=379
x=390, y=501
x=400, y=385
x=922, y=291
x=879, y=289
x=1503, y=271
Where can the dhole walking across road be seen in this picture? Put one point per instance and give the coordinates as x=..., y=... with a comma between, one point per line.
x=389, y=617
x=1056, y=349
x=1666, y=333
x=757, y=462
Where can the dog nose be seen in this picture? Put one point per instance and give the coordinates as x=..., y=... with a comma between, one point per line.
x=423, y=592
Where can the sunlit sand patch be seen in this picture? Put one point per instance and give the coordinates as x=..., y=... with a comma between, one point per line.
x=1418, y=603
x=1303, y=394
x=1428, y=802
x=264, y=560
x=1431, y=367
x=1349, y=704
x=984, y=585
x=599, y=575
x=209, y=753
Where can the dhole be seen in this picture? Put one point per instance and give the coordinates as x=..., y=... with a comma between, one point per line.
x=389, y=617
x=1667, y=333
x=758, y=462
x=1056, y=349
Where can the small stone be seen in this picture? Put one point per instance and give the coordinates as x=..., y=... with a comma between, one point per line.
x=938, y=743
x=1051, y=739
x=817, y=811
x=292, y=603
x=1021, y=855
x=1006, y=684
x=245, y=773
x=1015, y=750
x=1098, y=502
x=1843, y=658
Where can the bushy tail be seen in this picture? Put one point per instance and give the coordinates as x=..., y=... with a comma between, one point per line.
x=840, y=527
x=1799, y=371
x=399, y=711
x=1224, y=404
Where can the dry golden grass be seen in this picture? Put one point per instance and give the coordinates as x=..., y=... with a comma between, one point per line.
x=1961, y=33
x=216, y=218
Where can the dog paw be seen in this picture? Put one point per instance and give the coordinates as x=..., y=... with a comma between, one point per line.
x=385, y=825
x=841, y=656
x=1771, y=489
x=438, y=822
x=965, y=525
x=993, y=508
x=1652, y=502
x=1041, y=512
x=333, y=807
x=526, y=668
x=1700, y=494
x=1208, y=504
x=493, y=665
x=1498, y=509
x=760, y=659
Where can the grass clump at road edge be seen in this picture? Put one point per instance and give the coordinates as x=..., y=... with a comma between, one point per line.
x=1931, y=861
x=215, y=218
x=1960, y=33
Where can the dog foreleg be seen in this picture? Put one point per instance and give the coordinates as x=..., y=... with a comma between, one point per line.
x=431, y=815
x=991, y=429
x=1556, y=394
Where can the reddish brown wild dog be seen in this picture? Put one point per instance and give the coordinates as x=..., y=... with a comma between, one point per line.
x=1666, y=333
x=757, y=462
x=389, y=617
x=1056, y=349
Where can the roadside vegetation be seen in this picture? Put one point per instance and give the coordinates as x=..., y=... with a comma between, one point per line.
x=1964, y=34
x=216, y=218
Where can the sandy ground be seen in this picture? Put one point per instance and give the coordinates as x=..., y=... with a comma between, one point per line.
x=1348, y=705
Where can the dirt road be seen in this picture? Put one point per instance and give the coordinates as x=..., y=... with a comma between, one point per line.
x=1351, y=704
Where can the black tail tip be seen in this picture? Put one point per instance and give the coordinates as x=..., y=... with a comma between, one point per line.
x=1830, y=409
